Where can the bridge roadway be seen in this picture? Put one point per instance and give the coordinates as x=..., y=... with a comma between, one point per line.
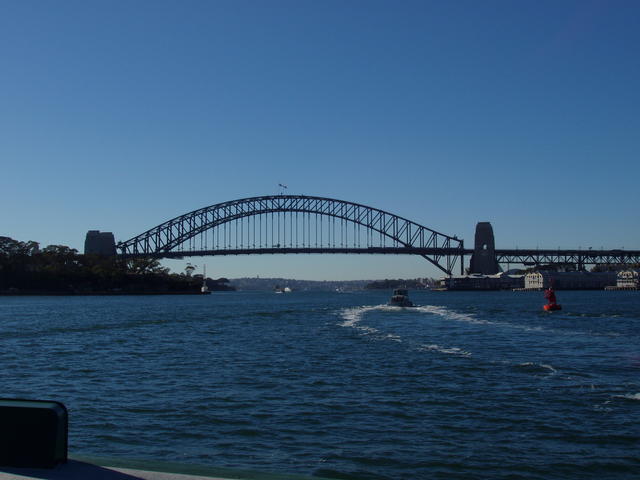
x=302, y=250
x=528, y=257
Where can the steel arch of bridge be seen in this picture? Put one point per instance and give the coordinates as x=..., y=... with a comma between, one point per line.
x=385, y=233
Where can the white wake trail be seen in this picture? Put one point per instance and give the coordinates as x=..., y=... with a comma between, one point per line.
x=353, y=316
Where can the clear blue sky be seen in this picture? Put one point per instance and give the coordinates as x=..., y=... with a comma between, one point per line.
x=119, y=115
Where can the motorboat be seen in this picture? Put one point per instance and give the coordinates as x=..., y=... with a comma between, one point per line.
x=400, y=298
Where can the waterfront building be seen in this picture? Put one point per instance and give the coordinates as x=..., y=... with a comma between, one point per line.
x=569, y=280
x=475, y=281
x=628, y=280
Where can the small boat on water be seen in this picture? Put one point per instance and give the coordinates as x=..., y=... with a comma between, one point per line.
x=400, y=298
x=204, y=289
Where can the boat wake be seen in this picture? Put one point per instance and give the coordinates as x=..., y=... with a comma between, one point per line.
x=353, y=316
x=536, y=368
x=630, y=396
x=469, y=318
x=449, y=351
x=453, y=315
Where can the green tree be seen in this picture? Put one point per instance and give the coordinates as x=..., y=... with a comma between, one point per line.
x=60, y=259
x=17, y=256
x=144, y=266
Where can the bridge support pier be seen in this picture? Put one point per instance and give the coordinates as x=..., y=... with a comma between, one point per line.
x=99, y=243
x=483, y=259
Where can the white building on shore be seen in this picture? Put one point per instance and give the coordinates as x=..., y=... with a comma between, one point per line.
x=628, y=280
x=569, y=280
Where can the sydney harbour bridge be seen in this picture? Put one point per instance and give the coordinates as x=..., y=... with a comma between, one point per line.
x=286, y=224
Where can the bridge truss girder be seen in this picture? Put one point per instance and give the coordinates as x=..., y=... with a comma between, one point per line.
x=405, y=237
x=580, y=258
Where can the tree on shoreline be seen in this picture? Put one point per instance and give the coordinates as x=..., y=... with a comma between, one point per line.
x=24, y=267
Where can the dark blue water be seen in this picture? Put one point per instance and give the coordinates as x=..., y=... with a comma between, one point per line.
x=469, y=385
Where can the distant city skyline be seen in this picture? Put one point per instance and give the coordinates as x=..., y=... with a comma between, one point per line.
x=118, y=116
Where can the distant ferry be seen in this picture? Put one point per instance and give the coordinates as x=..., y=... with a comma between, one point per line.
x=282, y=290
x=204, y=289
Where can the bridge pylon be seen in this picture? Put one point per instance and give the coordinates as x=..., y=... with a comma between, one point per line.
x=99, y=243
x=484, y=259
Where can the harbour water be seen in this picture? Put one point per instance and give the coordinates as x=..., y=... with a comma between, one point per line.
x=466, y=385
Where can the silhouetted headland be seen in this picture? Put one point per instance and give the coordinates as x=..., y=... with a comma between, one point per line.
x=25, y=269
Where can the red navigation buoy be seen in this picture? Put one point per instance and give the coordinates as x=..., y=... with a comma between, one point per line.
x=550, y=295
x=552, y=306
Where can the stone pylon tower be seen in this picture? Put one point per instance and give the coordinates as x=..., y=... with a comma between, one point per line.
x=484, y=259
x=99, y=243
